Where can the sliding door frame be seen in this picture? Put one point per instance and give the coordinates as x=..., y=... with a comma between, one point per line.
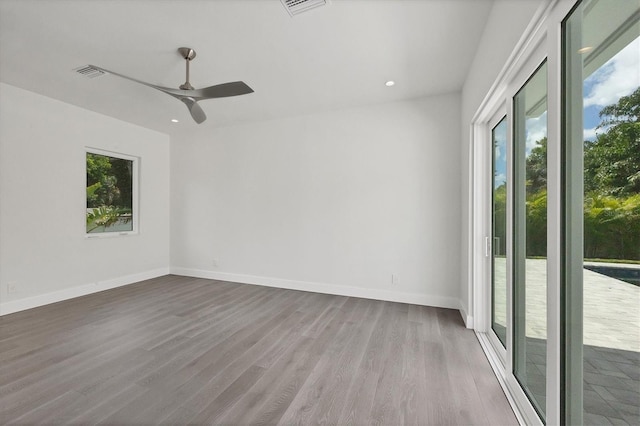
x=501, y=351
x=541, y=41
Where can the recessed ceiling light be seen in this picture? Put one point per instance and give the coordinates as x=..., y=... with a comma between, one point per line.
x=585, y=49
x=390, y=83
x=173, y=120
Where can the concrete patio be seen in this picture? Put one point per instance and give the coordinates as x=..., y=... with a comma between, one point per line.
x=611, y=340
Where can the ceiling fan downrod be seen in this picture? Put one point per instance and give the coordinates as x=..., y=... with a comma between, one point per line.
x=188, y=54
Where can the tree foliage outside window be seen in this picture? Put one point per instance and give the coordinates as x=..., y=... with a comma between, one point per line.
x=611, y=187
x=109, y=194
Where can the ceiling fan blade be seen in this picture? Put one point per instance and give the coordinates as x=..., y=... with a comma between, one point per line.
x=224, y=90
x=196, y=110
x=191, y=97
x=169, y=91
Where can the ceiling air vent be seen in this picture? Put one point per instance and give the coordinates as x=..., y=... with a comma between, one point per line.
x=89, y=71
x=294, y=7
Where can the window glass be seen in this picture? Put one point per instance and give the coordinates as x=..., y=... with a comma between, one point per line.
x=499, y=231
x=530, y=237
x=601, y=49
x=109, y=194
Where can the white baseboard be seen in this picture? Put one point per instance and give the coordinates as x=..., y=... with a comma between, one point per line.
x=468, y=319
x=314, y=287
x=69, y=293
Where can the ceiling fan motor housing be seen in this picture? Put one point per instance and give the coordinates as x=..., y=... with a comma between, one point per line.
x=188, y=54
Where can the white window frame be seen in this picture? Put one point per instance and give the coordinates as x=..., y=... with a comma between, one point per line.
x=135, y=181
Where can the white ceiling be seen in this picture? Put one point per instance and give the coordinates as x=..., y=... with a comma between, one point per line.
x=332, y=57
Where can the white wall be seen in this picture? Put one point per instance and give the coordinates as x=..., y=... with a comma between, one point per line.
x=43, y=249
x=506, y=24
x=334, y=202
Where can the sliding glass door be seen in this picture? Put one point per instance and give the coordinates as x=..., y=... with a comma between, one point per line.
x=556, y=264
x=499, y=232
x=601, y=52
x=530, y=237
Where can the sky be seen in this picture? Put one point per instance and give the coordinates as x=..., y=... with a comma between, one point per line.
x=618, y=77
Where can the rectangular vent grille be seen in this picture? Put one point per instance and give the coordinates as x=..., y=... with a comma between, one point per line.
x=295, y=7
x=89, y=71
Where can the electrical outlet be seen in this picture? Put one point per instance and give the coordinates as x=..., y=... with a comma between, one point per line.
x=394, y=279
x=12, y=287
x=214, y=262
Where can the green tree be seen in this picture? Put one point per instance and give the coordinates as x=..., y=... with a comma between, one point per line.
x=626, y=110
x=122, y=172
x=108, y=181
x=536, y=202
x=536, y=206
x=612, y=161
x=500, y=220
x=612, y=226
x=109, y=191
x=97, y=167
x=611, y=183
x=536, y=167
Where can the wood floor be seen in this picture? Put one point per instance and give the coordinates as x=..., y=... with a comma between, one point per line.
x=176, y=350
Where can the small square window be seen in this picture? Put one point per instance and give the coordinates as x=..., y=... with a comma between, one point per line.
x=112, y=193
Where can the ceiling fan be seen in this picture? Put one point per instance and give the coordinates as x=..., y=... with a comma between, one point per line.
x=187, y=93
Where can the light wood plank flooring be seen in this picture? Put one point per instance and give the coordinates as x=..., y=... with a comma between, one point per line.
x=176, y=350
